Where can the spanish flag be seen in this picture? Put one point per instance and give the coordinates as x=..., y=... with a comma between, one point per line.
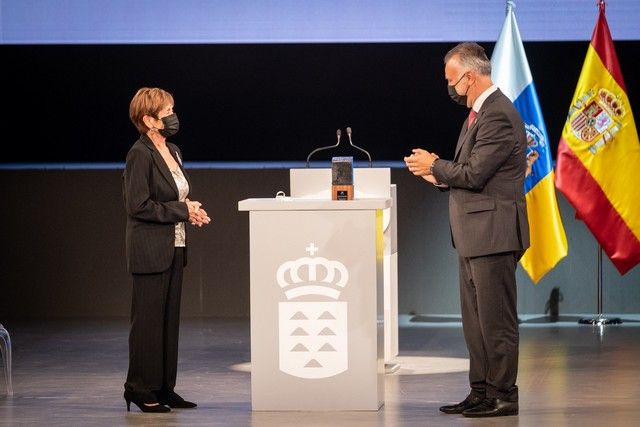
x=598, y=167
x=510, y=72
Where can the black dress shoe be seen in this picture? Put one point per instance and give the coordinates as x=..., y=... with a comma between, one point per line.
x=174, y=400
x=492, y=407
x=458, y=408
x=145, y=402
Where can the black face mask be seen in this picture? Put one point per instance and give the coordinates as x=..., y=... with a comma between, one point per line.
x=458, y=99
x=171, y=125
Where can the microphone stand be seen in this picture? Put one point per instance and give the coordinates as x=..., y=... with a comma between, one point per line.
x=355, y=146
x=338, y=134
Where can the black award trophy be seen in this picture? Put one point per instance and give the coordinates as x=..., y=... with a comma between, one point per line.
x=342, y=178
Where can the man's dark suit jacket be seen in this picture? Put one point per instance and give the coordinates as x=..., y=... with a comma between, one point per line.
x=487, y=208
x=152, y=206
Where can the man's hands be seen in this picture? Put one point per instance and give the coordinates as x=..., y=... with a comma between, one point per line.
x=197, y=215
x=419, y=162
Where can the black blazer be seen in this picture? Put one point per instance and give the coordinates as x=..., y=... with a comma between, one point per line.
x=152, y=207
x=487, y=207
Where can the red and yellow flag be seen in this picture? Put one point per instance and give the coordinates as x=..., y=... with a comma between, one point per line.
x=598, y=163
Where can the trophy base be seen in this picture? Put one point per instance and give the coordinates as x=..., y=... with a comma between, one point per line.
x=342, y=192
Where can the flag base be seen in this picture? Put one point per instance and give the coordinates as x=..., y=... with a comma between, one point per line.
x=600, y=320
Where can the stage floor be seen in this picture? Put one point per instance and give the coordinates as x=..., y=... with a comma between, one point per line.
x=71, y=373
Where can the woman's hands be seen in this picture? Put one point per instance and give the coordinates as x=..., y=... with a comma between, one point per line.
x=197, y=215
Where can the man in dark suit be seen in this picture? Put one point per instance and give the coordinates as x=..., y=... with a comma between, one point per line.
x=489, y=227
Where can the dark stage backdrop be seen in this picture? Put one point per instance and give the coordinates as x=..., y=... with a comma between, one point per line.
x=69, y=103
x=63, y=252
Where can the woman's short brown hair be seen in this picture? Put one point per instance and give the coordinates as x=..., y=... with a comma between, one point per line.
x=148, y=101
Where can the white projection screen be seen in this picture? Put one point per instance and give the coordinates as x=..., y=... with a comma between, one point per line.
x=302, y=21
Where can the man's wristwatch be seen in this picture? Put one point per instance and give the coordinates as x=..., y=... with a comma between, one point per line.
x=431, y=167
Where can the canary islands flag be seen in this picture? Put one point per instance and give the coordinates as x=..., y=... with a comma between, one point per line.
x=511, y=73
x=599, y=153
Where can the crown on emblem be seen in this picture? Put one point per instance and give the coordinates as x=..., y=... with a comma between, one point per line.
x=611, y=102
x=312, y=276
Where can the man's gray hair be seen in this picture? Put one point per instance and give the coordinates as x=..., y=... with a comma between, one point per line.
x=472, y=56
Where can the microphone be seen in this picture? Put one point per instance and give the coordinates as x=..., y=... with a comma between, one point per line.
x=338, y=135
x=349, y=132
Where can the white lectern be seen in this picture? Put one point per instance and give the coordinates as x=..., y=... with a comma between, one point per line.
x=314, y=183
x=316, y=303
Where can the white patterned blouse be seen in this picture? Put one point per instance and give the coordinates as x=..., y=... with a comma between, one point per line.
x=183, y=190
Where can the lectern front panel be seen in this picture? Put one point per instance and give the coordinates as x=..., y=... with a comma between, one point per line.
x=316, y=310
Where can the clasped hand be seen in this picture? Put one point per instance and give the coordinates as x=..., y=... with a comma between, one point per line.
x=197, y=215
x=419, y=163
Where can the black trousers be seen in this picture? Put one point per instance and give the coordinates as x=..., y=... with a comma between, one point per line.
x=155, y=323
x=488, y=298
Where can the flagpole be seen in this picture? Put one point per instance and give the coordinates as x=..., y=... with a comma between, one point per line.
x=600, y=319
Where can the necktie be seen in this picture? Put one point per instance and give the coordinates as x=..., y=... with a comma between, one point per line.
x=471, y=119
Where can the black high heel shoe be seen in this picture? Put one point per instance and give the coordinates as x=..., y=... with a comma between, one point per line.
x=130, y=396
x=174, y=400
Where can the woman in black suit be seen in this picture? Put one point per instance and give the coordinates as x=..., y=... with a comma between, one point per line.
x=155, y=188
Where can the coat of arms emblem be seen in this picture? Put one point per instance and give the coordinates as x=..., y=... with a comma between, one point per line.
x=312, y=322
x=596, y=118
